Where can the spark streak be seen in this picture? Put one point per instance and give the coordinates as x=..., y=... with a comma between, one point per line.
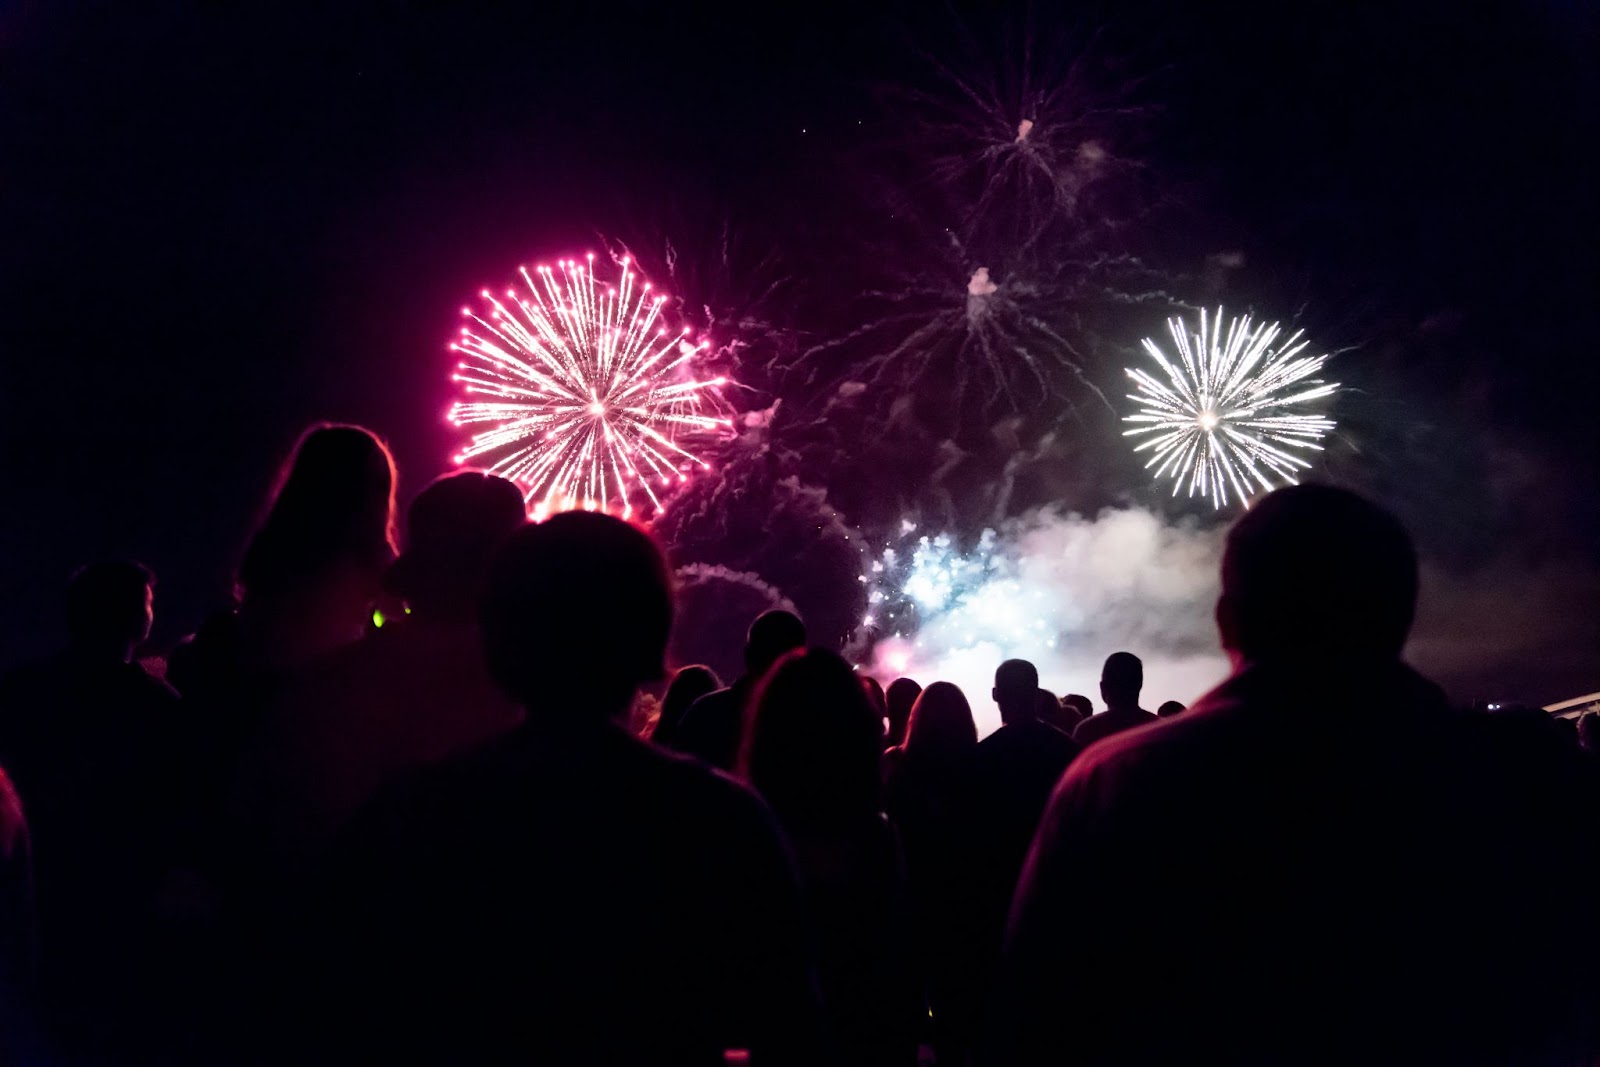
x=589, y=398
x=1229, y=411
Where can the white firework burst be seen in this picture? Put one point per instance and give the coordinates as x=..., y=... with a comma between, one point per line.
x=1229, y=416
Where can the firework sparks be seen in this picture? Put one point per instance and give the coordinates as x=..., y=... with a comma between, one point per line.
x=586, y=397
x=930, y=590
x=1229, y=411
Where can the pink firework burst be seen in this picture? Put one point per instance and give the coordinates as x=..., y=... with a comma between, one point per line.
x=578, y=389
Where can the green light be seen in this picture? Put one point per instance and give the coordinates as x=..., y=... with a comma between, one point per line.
x=378, y=618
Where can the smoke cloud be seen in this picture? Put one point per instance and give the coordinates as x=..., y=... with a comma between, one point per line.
x=1063, y=591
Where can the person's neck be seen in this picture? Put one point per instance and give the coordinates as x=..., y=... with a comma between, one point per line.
x=1124, y=707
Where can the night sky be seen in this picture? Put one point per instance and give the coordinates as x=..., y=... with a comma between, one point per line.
x=219, y=224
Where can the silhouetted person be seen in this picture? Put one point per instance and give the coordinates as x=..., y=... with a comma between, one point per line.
x=688, y=685
x=898, y=699
x=407, y=694
x=492, y=909
x=879, y=702
x=311, y=571
x=1079, y=706
x=812, y=752
x=86, y=738
x=1016, y=768
x=713, y=727
x=1052, y=713
x=1329, y=863
x=305, y=585
x=1168, y=709
x=929, y=797
x=1120, y=682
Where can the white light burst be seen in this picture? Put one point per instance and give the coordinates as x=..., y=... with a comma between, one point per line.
x=1230, y=410
x=588, y=398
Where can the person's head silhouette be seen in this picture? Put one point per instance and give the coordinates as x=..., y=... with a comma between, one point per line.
x=1016, y=691
x=1316, y=573
x=333, y=505
x=110, y=609
x=941, y=731
x=1121, y=679
x=771, y=635
x=688, y=685
x=452, y=530
x=576, y=614
x=1589, y=732
x=814, y=743
x=898, y=700
x=1168, y=709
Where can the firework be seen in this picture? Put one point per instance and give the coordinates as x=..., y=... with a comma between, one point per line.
x=1018, y=127
x=1230, y=410
x=931, y=603
x=586, y=397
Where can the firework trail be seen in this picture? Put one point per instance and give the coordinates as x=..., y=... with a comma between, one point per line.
x=993, y=238
x=587, y=397
x=1020, y=134
x=1229, y=408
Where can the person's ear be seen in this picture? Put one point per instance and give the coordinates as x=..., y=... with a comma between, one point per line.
x=994, y=694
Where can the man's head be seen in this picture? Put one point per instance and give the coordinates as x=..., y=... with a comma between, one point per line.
x=452, y=530
x=576, y=615
x=1316, y=572
x=110, y=608
x=1120, y=681
x=771, y=635
x=1016, y=691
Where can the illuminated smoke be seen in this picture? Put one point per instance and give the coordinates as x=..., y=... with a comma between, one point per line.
x=1062, y=591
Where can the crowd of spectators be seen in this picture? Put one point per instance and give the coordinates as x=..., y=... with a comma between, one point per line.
x=388, y=807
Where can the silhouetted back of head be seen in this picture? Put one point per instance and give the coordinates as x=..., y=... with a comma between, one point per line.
x=1078, y=703
x=334, y=503
x=1314, y=571
x=1121, y=679
x=688, y=685
x=941, y=732
x=1016, y=689
x=875, y=697
x=901, y=695
x=576, y=614
x=452, y=529
x=771, y=635
x=813, y=745
x=109, y=607
x=1168, y=709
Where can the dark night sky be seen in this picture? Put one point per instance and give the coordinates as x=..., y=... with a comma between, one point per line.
x=217, y=226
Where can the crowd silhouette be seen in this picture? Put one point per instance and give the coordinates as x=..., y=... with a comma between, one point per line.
x=389, y=806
